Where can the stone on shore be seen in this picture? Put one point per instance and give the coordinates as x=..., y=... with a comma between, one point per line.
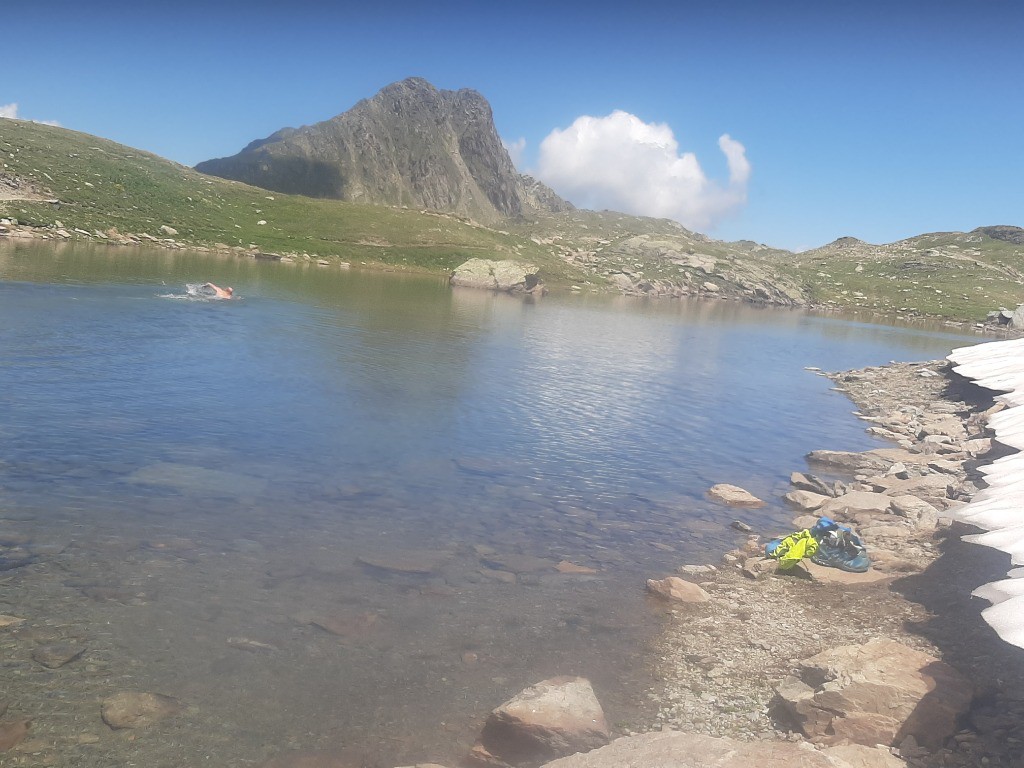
x=808, y=501
x=922, y=514
x=504, y=275
x=734, y=496
x=556, y=717
x=678, y=590
x=827, y=575
x=848, y=505
x=875, y=693
x=676, y=749
x=804, y=482
x=136, y=709
x=848, y=461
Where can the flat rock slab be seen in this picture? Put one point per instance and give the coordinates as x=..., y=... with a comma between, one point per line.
x=806, y=500
x=734, y=496
x=826, y=575
x=186, y=477
x=675, y=749
x=136, y=709
x=875, y=693
x=849, y=504
x=407, y=560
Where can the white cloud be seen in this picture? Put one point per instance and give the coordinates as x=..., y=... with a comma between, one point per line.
x=515, y=149
x=621, y=162
x=11, y=111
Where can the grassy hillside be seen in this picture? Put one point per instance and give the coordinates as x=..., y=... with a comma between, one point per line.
x=99, y=185
x=79, y=182
x=954, y=275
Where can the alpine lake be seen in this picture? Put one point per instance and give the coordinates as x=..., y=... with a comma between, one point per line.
x=353, y=511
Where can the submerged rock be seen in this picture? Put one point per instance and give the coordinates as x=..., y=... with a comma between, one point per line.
x=406, y=561
x=136, y=709
x=56, y=655
x=13, y=733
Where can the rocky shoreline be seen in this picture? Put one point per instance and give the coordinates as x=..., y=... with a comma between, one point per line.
x=893, y=667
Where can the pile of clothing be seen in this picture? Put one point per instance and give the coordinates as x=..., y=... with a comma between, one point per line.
x=826, y=543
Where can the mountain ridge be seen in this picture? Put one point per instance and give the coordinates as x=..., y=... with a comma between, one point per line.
x=409, y=145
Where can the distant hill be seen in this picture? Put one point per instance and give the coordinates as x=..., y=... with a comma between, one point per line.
x=410, y=145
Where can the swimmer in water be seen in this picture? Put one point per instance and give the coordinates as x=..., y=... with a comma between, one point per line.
x=221, y=293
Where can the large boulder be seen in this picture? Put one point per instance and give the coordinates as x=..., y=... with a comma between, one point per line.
x=675, y=749
x=556, y=717
x=505, y=275
x=876, y=693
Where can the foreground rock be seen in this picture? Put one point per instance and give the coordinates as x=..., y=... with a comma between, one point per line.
x=134, y=709
x=674, y=749
x=876, y=693
x=556, y=717
x=506, y=275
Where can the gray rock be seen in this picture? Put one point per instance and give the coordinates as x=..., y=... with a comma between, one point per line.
x=806, y=500
x=505, y=275
x=805, y=482
x=848, y=461
x=922, y=514
x=849, y=504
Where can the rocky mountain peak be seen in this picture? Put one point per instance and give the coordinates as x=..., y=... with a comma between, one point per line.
x=1007, y=233
x=411, y=144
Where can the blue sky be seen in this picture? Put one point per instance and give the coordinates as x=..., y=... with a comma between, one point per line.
x=879, y=120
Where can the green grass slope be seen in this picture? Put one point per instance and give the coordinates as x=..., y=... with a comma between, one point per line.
x=953, y=275
x=94, y=185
